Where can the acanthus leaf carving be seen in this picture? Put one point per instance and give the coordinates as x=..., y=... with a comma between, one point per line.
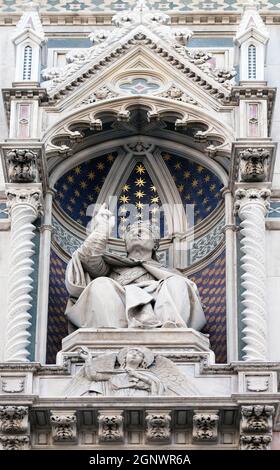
x=22, y=165
x=14, y=442
x=253, y=164
x=205, y=426
x=257, y=418
x=64, y=426
x=13, y=419
x=158, y=426
x=174, y=93
x=110, y=426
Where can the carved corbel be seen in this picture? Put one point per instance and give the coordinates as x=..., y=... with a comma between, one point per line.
x=257, y=418
x=253, y=164
x=64, y=426
x=158, y=427
x=22, y=165
x=256, y=427
x=13, y=419
x=110, y=426
x=205, y=426
x=15, y=442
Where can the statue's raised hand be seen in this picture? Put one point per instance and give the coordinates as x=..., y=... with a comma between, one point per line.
x=104, y=221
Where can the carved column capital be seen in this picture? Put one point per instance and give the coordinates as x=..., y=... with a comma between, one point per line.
x=64, y=426
x=205, y=426
x=158, y=426
x=22, y=165
x=253, y=164
x=110, y=426
x=245, y=196
x=25, y=195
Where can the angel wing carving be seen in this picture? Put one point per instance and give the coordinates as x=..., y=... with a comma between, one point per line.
x=94, y=370
x=176, y=383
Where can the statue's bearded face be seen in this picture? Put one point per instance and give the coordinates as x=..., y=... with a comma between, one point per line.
x=139, y=237
x=134, y=358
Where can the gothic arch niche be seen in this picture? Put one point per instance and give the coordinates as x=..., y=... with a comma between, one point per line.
x=95, y=155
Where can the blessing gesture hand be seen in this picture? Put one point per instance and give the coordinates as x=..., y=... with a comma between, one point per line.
x=104, y=221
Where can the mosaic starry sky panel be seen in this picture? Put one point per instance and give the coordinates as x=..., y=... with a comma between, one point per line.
x=87, y=6
x=211, y=283
x=79, y=188
x=58, y=296
x=139, y=199
x=196, y=185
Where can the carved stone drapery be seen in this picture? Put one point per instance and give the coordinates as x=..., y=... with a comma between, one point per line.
x=64, y=426
x=24, y=202
x=158, y=427
x=110, y=426
x=205, y=426
x=21, y=165
x=253, y=164
x=251, y=205
x=256, y=427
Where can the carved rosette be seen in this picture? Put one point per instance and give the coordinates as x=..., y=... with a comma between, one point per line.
x=64, y=426
x=24, y=206
x=253, y=164
x=256, y=427
x=13, y=419
x=251, y=205
x=22, y=165
x=158, y=427
x=205, y=426
x=110, y=427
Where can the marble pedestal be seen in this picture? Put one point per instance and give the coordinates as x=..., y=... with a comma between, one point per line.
x=161, y=340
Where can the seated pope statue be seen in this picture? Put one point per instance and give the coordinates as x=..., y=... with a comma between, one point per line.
x=110, y=291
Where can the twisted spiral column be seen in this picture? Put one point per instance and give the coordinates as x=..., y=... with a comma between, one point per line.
x=252, y=205
x=24, y=205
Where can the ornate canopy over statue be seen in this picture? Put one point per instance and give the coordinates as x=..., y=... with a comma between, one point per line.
x=110, y=291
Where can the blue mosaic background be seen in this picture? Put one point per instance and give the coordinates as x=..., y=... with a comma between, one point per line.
x=87, y=6
x=196, y=185
x=140, y=191
x=212, y=289
x=79, y=187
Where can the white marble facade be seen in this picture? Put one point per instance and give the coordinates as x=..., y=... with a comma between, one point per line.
x=213, y=96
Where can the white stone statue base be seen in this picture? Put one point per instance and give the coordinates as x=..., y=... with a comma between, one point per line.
x=160, y=340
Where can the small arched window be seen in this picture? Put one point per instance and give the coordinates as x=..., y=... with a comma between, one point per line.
x=27, y=63
x=252, y=62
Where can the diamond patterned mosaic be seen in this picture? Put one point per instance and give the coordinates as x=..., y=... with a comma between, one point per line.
x=95, y=6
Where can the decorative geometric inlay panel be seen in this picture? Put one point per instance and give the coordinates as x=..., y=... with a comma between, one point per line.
x=88, y=6
x=139, y=86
